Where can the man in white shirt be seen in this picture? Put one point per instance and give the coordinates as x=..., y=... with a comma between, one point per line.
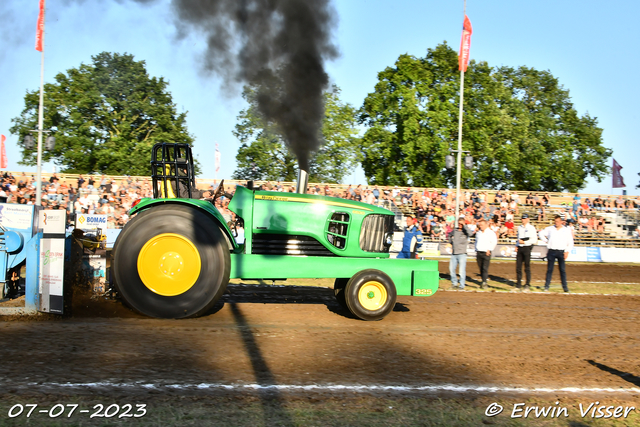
x=559, y=243
x=486, y=241
x=527, y=237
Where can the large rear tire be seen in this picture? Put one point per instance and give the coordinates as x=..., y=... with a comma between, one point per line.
x=171, y=261
x=370, y=295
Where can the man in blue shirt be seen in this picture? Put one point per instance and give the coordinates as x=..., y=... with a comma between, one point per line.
x=412, y=240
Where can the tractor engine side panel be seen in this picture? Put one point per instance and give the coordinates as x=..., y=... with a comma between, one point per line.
x=297, y=224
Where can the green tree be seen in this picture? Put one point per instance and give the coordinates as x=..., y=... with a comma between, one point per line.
x=105, y=116
x=519, y=125
x=263, y=154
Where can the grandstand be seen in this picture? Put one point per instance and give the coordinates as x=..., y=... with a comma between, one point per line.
x=613, y=221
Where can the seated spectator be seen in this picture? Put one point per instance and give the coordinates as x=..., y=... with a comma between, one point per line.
x=597, y=203
x=515, y=197
x=509, y=216
x=537, y=201
x=583, y=221
x=497, y=198
x=510, y=226
x=513, y=206
x=503, y=232
x=575, y=206
x=376, y=193
x=584, y=208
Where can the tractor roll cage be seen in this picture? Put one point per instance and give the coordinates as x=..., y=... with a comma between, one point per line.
x=172, y=170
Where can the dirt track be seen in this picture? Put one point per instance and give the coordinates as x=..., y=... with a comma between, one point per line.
x=299, y=335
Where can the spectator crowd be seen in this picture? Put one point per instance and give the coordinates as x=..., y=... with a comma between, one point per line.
x=434, y=209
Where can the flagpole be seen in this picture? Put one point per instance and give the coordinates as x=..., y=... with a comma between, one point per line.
x=459, y=166
x=40, y=119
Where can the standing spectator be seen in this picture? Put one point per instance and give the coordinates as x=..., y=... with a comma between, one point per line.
x=527, y=237
x=559, y=243
x=486, y=241
x=412, y=240
x=459, y=239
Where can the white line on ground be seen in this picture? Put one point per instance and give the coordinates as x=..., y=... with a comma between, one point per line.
x=340, y=387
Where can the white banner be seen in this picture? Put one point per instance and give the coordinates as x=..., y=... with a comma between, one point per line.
x=51, y=275
x=91, y=222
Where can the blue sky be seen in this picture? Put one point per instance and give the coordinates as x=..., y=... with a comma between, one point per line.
x=590, y=46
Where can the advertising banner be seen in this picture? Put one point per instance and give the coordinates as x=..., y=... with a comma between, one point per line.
x=53, y=224
x=91, y=222
x=593, y=255
x=578, y=253
x=18, y=218
x=430, y=249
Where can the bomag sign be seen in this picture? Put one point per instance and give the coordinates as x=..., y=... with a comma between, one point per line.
x=91, y=222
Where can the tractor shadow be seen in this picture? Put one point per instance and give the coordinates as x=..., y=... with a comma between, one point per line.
x=286, y=294
x=627, y=376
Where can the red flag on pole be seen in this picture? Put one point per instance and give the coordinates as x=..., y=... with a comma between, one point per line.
x=618, y=182
x=40, y=27
x=4, y=163
x=465, y=45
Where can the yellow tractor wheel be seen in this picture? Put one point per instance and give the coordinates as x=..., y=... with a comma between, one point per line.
x=171, y=261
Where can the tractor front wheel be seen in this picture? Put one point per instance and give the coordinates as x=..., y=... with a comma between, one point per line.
x=370, y=295
x=171, y=261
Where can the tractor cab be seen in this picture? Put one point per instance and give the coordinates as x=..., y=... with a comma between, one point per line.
x=172, y=170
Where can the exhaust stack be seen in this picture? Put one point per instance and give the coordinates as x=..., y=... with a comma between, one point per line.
x=303, y=180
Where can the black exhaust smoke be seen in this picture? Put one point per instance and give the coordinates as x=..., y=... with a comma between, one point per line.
x=277, y=45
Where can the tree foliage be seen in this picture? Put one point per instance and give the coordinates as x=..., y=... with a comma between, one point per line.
x=519, y=125
x=105, y=116
x=264, y=155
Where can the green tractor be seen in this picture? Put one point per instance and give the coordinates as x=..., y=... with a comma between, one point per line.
x=176, y=255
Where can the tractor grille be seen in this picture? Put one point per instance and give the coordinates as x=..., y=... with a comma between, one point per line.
x=285, y=244
x=374, y=230
x=337, y=229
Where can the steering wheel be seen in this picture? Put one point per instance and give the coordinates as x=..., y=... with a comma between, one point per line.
x=219, y=191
